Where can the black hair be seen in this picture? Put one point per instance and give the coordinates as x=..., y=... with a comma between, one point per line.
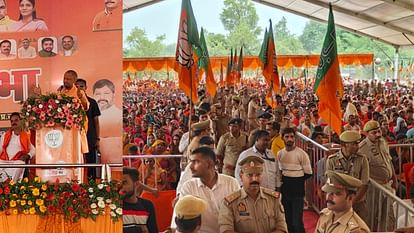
x=81, y=80
x=102, y=83
x=15, y=114
x=206, y=140
x=133, y=149
x=131, y=172
x=5, y=41
x=260, y=134
x=187, y=225
x=47, y=39
x=275, y=125
x=287, y=131
x=206, y=152
x=34, y=10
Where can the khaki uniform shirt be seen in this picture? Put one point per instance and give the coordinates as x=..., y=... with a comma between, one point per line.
x=221, y=126
x=231, y=147
x=379, y=159
x=356, y=165
x=349, y=222
x=242, y=214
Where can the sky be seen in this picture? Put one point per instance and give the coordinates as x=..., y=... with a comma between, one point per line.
x=162, y=18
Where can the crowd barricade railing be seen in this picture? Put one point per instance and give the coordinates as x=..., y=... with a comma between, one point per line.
x=106, y=169
x=313, y=185
x=402, y=210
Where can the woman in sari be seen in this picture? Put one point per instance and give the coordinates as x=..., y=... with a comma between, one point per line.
x=28, y=21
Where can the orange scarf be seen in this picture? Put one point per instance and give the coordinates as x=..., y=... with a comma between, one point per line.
x=24, y=142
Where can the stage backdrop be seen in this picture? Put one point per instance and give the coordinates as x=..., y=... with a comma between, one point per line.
x=85, y=36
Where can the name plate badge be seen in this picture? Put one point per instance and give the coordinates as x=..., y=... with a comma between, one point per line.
x=54, y=138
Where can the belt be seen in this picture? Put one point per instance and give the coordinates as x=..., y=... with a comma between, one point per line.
x=230, y=167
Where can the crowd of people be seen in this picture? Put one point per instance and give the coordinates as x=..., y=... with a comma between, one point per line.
x=219, y=134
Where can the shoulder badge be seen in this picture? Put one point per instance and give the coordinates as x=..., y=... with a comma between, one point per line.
x=353, y=227
x=363, y=143
x=232, y=197
x=271, y=193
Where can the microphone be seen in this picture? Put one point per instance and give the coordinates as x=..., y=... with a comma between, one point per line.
x=60, y=88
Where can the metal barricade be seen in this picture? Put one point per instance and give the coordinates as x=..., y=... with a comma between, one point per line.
x=317, y=155
x=142, y=157
x=402, y=210
x=105, y=168
x=388, y=210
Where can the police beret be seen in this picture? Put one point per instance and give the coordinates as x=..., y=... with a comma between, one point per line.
x=371, y=125
x=350, y=136
x=252, y=164
x=189, y=207
x=235, y=121
x=338, y=181
x=200, y=125
x=264, y=115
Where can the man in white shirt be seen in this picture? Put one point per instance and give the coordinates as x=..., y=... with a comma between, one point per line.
x=68, y=46
x=208, y=185
x=296, y=168
x=16, y=148
x=271, y=172
x=26, y=51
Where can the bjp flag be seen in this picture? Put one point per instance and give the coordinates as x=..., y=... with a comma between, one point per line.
x=204, y=63
x=328, y=84
x=187, y=41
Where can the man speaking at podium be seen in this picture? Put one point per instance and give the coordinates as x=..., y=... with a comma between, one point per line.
x=68, y=88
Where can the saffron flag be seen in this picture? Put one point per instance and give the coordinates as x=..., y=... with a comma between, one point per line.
x=270, y=62
x=328, y=84
x=221, y=76
x=283, y=86
x=229, y=73
x=240, y=66
x=204, y=63
x=187, y=41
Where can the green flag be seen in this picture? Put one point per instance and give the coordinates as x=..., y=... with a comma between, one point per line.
x=328, y=84
x=263, y=49
x=204, y=63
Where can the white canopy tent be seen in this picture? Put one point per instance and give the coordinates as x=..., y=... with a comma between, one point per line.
x=389, y=21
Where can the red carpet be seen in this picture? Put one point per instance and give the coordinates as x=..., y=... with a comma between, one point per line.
x=310, y=218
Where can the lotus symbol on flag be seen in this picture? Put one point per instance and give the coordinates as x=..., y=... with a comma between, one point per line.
x=184, y=51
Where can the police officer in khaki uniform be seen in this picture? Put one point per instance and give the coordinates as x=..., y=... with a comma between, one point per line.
x=188, y=212
x=382, y=171
x=230, y=145
x=220, y=121
x=339, y=217
x=252, y=208
x=198, y=130
x=348, y=161
x=262, y=120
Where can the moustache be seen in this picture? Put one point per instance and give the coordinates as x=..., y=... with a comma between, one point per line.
x=253, y=183
x=103, y=100
x=330, y=202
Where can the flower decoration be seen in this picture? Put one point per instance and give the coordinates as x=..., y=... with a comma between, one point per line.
x=72, y=200
x=51, y=110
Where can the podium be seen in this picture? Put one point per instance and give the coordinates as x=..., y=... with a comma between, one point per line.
x=57, y=145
